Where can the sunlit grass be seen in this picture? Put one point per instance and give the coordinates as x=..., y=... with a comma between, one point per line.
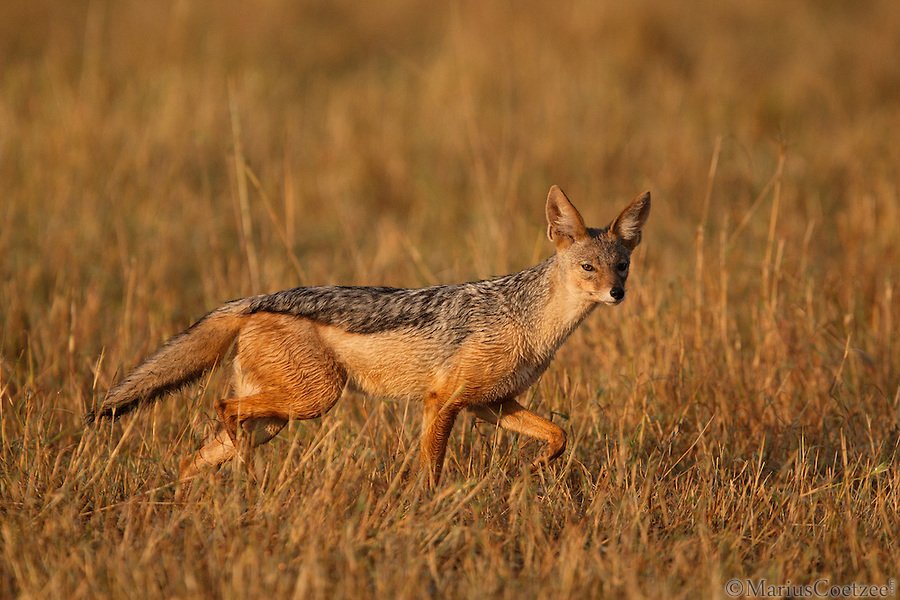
x=736, y=417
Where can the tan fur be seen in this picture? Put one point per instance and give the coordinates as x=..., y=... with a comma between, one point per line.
x=292, y=366
x=374, y=366
x=291, y=373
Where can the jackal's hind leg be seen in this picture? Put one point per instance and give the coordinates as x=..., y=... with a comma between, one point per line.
x=282, y=370
x=512, y=416
x=219, y=448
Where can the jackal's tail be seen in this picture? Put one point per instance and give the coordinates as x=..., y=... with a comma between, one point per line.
x=181, y=360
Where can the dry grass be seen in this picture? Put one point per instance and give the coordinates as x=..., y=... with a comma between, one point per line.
x=737, y=417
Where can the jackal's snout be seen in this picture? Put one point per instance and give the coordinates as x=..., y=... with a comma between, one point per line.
x=613, y=295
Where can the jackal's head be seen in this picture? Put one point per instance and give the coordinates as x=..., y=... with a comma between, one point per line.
x=594, y=262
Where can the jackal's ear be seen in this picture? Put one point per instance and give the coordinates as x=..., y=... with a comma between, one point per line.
x=627, y=226
x=564, y=222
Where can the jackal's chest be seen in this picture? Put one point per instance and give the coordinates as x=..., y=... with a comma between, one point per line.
x=490, y=372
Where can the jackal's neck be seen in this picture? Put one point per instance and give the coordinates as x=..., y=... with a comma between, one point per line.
x=552, y=312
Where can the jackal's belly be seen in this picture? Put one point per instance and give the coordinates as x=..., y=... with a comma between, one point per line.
x=394, y=364
x=408, y=364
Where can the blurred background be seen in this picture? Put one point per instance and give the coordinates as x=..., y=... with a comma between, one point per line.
x=159, y=158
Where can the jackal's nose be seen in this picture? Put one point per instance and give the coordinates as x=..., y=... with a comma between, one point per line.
x=617, y=293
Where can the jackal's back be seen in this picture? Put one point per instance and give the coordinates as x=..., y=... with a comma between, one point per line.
x=453, y=312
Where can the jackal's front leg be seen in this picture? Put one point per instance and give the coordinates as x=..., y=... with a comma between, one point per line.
x=437, y=422
x=510, y=415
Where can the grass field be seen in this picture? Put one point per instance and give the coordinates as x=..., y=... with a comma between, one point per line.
x=737, y=417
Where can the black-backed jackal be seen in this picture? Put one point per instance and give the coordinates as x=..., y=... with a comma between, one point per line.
x=470, y=346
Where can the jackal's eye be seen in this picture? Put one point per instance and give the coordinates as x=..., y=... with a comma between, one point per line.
x=622, y=266
x=587, y=266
